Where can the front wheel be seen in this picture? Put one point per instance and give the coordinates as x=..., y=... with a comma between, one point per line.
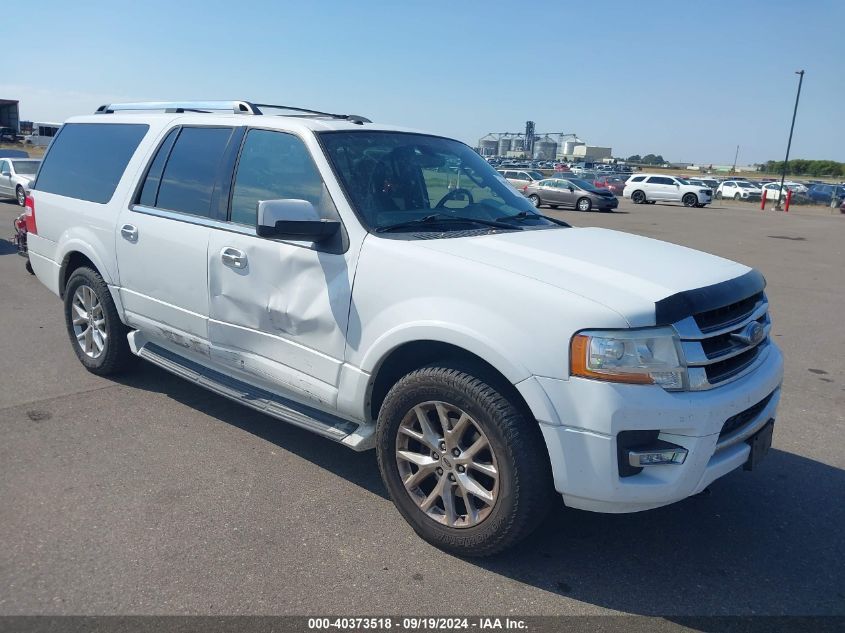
x=535, y=200
x=584, y=204
x=96, y=333
x=737, y=197
x=690, y=200
x=463, y=465
x=718, y=195
x=20, y=194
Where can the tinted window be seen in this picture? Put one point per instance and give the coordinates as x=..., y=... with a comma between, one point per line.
x=273, y=166
x=189, y=176
x=151, y=182
x=637, y=178
x=87, y=160
x=660, y=180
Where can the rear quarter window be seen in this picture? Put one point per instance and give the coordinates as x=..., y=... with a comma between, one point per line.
x=86, y=160
x=637, y=179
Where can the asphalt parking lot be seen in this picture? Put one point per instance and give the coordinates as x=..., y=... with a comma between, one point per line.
x=149, y=495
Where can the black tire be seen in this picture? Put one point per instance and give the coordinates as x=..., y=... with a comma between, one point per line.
x=737, y=197
x=718, y=195
x=638, y=197
x=690, y=200
x=525, y=492
x=29, y=267
x=535, y=200
x=584, y=204
x=20, y=196
x=115, y=356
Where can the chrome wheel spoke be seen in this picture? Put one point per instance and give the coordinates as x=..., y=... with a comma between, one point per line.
x=88, y=320
x=452, y=485
x=476, y=489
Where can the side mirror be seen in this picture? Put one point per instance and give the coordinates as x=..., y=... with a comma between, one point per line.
x=292, y=219
x=571, y=188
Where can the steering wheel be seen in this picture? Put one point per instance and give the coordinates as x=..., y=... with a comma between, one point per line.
x=453, y=195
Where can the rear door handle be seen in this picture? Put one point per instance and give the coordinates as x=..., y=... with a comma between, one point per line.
x=129, y=232
x=233, y=257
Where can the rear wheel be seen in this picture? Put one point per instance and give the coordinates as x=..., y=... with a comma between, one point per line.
x=584, y=204
x=96, y=333
x=461, y=462
x=20, y=195
x=638, y=197
x=535, y=200
x=690, y=200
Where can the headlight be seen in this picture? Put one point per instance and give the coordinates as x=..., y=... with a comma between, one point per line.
x=648, y=356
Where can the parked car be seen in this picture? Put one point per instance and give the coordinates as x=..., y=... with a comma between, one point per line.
x=327, y=271
x=614, y=184
x=16, y=176
x=738, y=190
x=824, y=193
x=521, y=177
x=772, y=190
x=651, y=188
x=570, y=193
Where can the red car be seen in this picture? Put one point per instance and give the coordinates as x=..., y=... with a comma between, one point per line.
x=614, y=183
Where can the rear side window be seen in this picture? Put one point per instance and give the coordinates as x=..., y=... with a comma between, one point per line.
x=660, y=180
x=191, y=170
x=87, y=160
x=637, y=178
x=149, y=192
x=275, y=166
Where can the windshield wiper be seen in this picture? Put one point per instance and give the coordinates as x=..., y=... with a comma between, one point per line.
x=435, y=218
x=531, y=215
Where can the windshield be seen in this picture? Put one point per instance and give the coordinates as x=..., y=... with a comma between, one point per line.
x=746, y=185
x=683, y=181
x=26, y=167
x=396, y=177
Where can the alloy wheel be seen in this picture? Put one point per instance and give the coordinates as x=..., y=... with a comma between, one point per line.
x=21, y=195
x=447, y=464
x=89, y=321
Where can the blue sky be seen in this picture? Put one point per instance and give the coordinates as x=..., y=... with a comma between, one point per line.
x=689, y=81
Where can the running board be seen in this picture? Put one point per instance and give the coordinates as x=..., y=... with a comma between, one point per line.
x=300, y=415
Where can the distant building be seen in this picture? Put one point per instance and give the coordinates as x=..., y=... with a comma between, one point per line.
x=9, y=114
x=591, y=153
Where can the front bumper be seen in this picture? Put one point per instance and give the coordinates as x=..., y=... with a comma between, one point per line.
x=580, y=420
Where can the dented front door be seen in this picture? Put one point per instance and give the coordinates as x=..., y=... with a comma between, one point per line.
x=278, y=310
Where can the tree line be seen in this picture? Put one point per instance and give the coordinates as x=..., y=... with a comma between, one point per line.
x=803, y=167
x=648, y=159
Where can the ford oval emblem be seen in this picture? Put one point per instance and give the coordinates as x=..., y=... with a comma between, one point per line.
x=752, y=334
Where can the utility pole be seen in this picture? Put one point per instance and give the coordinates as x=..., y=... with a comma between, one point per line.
x=779, y=204
x=733, y=169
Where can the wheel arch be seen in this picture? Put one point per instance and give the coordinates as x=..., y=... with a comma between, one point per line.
x=411, y=355
x=77, y=258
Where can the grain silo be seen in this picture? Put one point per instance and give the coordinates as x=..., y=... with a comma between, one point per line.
x=504, y=145
x=488, y=146
x=545, y=149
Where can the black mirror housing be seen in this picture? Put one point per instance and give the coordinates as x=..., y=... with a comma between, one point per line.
x=293, y=219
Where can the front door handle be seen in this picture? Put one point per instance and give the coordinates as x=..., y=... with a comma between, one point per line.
x=233, y=258
x=129, y=232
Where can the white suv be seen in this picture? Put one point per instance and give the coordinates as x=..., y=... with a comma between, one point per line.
x=738, y=190
x=382, y=288
x=651, y=188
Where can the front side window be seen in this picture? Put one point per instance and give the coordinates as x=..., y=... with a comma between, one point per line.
x=274, y=166
x=397, y=177
x=191, y=171
x=87, y=160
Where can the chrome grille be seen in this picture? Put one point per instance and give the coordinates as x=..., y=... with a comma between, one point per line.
x=715, y=342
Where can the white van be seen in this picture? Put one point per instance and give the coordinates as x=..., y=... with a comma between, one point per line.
x=332, y=273
x=42, y=134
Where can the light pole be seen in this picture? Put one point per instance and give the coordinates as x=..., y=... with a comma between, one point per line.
x=800, y=74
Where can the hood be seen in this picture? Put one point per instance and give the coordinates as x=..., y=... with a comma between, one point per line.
x=626, y=273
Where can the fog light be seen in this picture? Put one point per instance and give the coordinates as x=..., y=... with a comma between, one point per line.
x=652, y=456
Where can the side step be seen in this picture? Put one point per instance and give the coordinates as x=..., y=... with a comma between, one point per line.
x=278, y=407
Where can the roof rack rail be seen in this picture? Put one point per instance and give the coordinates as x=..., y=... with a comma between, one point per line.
x=236, y=107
